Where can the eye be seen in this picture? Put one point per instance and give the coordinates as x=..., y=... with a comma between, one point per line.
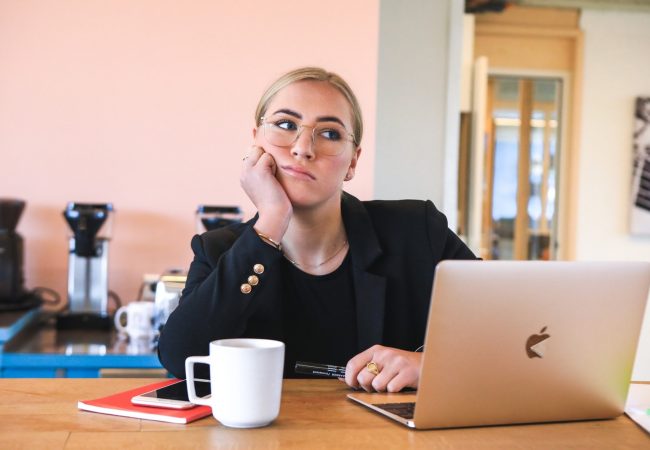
x=286, y=124
x=330, y=134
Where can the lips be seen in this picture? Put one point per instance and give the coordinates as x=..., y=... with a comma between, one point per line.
x=298, y=172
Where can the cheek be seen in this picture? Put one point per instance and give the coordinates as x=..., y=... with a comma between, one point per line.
x=278, y=154
x=263, y=143
x=344, y=165
x=346, y=162
x=339, y=170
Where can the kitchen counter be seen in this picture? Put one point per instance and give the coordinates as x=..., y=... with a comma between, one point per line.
x=39, y=350
x=11, y=323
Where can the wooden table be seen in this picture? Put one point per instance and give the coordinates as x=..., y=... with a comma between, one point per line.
x=42, y=413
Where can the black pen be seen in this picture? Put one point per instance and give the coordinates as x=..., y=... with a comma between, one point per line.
x=327, y=370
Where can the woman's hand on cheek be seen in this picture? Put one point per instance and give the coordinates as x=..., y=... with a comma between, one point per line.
x=262, y=187
x=398, y=369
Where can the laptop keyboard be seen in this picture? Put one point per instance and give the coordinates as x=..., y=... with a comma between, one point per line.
x=404, y=410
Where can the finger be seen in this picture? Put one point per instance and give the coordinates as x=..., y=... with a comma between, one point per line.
x=368, y=374
x=386, y=375
x=355, y=365
x=364, y=379
x=352, y=369
x=266, y=160
x=253, y=155
x=403, y=379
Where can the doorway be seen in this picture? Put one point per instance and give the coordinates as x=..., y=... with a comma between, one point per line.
x=522, y=159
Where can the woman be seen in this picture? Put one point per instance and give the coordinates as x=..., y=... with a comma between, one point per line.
x=339, y=281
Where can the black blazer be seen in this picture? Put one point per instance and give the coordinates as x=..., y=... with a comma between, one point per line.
x=394, y=245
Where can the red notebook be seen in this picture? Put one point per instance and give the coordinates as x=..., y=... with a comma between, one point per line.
x=120, y=405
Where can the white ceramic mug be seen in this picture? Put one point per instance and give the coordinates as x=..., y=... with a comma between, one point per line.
x=245, y=380
x=139, y=320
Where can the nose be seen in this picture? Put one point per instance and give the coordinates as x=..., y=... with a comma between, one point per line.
x=304, y=145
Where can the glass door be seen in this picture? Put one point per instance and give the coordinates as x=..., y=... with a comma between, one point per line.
x=519, y=218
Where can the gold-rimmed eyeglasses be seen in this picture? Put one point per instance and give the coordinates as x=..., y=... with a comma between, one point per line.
x=327, y=138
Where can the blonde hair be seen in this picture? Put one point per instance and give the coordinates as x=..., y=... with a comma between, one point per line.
x=315, y=74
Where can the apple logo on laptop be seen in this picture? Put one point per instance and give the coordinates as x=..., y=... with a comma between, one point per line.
x=535, y=344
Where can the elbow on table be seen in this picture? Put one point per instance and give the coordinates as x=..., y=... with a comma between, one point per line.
x=171, y=359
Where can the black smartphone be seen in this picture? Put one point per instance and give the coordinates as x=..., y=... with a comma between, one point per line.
x=173, y=396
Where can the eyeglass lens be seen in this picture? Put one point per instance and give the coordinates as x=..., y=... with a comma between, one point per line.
x=328, y=139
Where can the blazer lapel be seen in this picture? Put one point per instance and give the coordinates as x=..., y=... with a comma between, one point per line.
x=369, y=288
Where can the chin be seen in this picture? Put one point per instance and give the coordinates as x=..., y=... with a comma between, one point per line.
x=304, y=198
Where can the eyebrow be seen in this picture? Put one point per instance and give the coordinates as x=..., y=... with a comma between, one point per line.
x=297, y=115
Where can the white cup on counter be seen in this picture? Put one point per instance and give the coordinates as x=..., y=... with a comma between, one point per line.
x=139, y=320
x=245, y=381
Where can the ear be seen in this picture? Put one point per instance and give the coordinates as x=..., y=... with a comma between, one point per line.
x=353, y=164
x=257, y=136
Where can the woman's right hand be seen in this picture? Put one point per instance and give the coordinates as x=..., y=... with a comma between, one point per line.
x=262, y=187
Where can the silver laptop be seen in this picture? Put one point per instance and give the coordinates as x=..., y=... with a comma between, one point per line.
x=517, y=342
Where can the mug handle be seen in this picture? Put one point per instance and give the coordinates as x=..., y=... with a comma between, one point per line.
x=118, y=316
x=189, y=375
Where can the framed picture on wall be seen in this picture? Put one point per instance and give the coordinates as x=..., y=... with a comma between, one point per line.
x=640, y=220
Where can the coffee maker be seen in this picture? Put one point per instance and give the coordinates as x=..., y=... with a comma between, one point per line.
x=90, y=225
x=13, y=295
x=211, y=217
x=171, y=284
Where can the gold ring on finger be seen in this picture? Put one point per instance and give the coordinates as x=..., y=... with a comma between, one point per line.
x=372, y=368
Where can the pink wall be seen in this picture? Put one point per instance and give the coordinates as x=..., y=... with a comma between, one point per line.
x=149, y=104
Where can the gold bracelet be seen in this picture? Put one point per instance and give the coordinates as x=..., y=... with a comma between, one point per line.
x=269, y=241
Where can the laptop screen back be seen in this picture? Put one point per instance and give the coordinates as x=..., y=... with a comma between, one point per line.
x=515, y=342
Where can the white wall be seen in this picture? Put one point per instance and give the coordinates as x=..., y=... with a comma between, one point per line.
x=616, y=70
x=418, y=101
